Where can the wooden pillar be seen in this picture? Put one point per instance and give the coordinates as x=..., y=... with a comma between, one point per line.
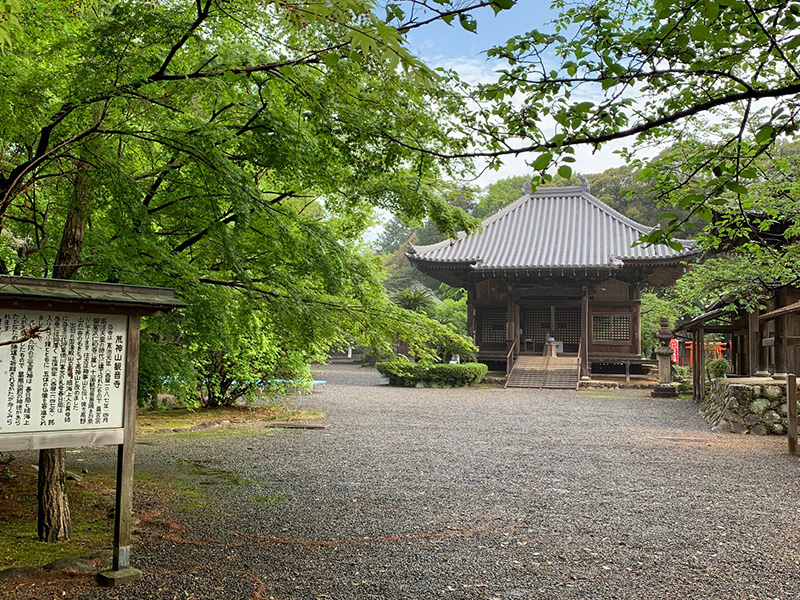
x=471, y=312
x=701, y=361
x=763, y=351
x=585, y=371
x=695, y=374
x=753, y=343
x=511, y=326
x=121, y=571
x=780, y=349
x=636, y=320
x=124, y=500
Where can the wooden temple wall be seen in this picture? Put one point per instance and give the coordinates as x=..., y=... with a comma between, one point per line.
x=606, y=323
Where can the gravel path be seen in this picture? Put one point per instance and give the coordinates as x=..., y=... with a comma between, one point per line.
x=480, y=493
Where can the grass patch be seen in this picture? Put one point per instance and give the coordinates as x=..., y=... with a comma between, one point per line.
x=182, y=486
x=184, y=418
x=178, y=491
x=91, y=506
x=207, y=474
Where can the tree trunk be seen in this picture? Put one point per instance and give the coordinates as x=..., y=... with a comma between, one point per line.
x=54, y=515
x=68, y=259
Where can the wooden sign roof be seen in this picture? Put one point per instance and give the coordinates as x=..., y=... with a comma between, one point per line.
x=82, y=295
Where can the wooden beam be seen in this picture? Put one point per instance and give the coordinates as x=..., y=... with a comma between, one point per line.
x=752, y=342
x=585, y=367
x=124, y=500
x=60, y=439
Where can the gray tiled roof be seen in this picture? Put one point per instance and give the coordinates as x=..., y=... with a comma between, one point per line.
x=553, y=228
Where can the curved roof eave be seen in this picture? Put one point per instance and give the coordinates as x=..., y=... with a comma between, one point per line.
x=540, y=228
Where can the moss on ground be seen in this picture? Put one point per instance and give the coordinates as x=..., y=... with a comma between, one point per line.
x=91, y=505
x=184, y=418
x=181, y=487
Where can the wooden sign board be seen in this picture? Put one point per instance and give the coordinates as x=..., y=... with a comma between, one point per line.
x=70, y=379
x=74, y=382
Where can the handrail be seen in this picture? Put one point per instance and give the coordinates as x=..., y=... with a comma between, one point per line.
x=580, y=360
x=510, y=356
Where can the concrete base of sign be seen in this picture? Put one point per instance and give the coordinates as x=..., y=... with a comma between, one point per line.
x=112, y=578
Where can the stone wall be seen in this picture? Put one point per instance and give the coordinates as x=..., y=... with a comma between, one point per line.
x=747, y=408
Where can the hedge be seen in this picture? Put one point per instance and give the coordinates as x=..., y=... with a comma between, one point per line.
x=408, y=374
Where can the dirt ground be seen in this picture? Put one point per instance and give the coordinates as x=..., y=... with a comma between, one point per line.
x=482, y=493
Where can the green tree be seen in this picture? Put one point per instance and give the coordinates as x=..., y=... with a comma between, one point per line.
x=500, y=194
x=234, y=151
x=417, y=299
x=656, y=305
x=717, y=79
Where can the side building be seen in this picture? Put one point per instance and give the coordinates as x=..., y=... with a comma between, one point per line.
x=560, y=264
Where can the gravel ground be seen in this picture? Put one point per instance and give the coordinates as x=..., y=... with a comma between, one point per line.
x=479, y=493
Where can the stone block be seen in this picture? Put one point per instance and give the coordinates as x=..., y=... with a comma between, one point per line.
x=773, y=392
x=778, y=429
x=759, y=429
x=79, y=565
x=743, y=393
x=752, y=418
x=14, y=572
x=770, y=417
x=112, y=578
x=783, y=409
x=732, y=417
x=732, y=403
x=738, y=428
x=758, y=406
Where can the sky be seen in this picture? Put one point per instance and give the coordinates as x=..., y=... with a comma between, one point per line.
x=451, y=46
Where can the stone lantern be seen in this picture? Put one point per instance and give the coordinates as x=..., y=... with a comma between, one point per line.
x=664, y=335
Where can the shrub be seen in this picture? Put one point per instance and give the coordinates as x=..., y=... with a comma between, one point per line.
x=718, y=367
x=401, y=373
x=455, y=375
x=407, y=374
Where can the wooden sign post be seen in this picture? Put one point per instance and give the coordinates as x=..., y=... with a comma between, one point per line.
x=74, y=382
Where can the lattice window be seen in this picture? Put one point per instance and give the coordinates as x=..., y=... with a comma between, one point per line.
x=535, y=324
x=493, y=325
x=611, y=328
x=568, y=325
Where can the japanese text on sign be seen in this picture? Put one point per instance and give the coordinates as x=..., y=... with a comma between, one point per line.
x=71, y=378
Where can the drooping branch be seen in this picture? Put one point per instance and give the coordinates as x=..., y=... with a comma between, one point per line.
x=603, y=138
x=34, y=332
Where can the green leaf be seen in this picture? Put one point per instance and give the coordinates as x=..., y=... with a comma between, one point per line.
x=565, y=171
x=764, y=134
x=736, y=187
x=542, y=161
x=504, y=4
x=793, y=43
x=468, y=22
